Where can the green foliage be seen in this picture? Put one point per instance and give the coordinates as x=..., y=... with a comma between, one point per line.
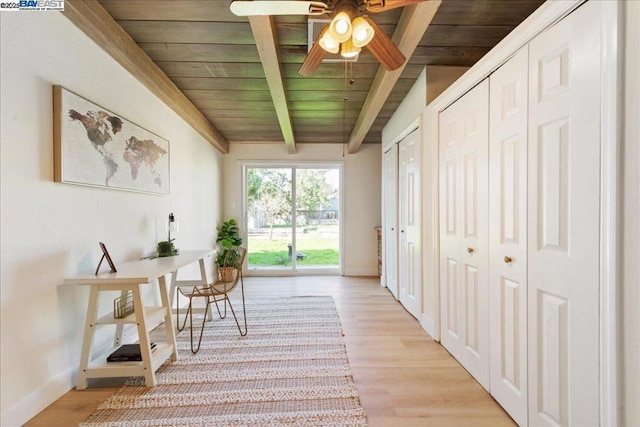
x=313, y=190
x=269, y=191
x=323, y=257
x=319, y=251
x=228, y=235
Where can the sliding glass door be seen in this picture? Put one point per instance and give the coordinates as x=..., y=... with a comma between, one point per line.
x=293, y=218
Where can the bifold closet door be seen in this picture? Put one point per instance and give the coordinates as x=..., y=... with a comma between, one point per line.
x=464, y=248
x=410, y=273
x=391, y=219
x=508, y=102
x=564, y=197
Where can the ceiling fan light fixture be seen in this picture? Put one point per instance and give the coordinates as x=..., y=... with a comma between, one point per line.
x=340, y=27
x=329, y=44
x=362, y=33
x=349, y=50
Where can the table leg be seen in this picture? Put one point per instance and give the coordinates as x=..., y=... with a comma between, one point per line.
x=203, y=277
x=168, y=321
x=143, y=335
x=87, y=340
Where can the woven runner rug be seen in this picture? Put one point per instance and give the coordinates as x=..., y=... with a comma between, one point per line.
x=290, y=370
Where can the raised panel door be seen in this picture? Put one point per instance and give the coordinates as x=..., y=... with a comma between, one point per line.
x=474, y=255
x=391, y=219
x=410, y=285
x=464, y=231
x=452, y=333
x=508, y=234
x=563, y=232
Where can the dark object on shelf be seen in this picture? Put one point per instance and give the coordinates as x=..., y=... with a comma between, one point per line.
x=105, y=254
x=128, y=353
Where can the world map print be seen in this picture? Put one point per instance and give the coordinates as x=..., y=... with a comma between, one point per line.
x=102, y=149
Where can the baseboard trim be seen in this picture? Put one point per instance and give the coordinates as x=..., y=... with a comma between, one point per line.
x=428, y=325
x=369, y=272
x=27, y=408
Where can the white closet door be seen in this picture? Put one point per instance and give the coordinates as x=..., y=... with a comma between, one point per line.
x=410, y=220
x=450, y=135
x=508, y=234
x=564, y=181
x=464, y=220
x=391, y=219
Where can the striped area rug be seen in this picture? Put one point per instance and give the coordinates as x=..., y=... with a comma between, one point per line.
x=290, y=370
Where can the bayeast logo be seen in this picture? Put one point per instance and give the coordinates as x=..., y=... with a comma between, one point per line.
x=33, y=5
x=41, y=4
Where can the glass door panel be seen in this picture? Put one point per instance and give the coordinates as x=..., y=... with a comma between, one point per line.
x=269, y=218
x=317, y=206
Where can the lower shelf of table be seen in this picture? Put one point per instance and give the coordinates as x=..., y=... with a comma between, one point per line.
x=100, y=368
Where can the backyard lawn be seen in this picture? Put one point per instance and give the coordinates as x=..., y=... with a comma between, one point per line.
x=316, y=247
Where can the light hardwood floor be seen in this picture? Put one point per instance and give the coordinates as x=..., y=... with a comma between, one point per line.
x=404, y=378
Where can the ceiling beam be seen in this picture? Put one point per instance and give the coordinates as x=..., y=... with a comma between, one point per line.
x=413, y=23
x=90, y=17
x=264, y=33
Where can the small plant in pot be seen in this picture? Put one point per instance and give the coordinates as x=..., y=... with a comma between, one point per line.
x=228, y=235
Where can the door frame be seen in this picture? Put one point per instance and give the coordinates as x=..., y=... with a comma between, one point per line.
x=302, y=164
x=612, y=37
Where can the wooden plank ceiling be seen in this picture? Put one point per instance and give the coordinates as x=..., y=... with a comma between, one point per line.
x=211, y=56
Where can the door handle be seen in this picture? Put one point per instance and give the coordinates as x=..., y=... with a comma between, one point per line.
x=470, y=250
x=402, y=231
x=507, y=259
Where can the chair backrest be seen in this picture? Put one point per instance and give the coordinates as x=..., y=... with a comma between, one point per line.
x=230, y=270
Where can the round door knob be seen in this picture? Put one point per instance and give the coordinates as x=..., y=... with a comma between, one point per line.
x=470, y=250
x=507, y=259
x=402, y=231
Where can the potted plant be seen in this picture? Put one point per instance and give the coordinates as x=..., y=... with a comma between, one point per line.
x=228, y=235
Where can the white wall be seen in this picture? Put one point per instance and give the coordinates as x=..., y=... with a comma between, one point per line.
x=407, y=113
x=630, y=317
x=361, y=193
x=51, y=230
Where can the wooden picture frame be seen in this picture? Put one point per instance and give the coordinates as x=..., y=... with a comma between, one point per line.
x=95, y=147
x=105, y=254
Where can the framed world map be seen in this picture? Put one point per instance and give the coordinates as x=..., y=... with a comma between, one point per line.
x=93, y=146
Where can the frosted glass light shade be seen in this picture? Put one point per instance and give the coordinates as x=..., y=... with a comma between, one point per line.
x=340, y=27
x=349, y=50
x=362, y=33
x=329, y=44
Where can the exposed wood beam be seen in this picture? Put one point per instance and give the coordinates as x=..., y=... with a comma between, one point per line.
x=264, y=33
x=90, y=17
x=411, y=27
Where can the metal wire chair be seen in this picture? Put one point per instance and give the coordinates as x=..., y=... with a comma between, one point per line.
x=229, y=275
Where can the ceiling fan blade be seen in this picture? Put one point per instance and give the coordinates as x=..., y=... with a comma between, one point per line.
x=384, y=50
x=263, y=8
x=314, y=57
x=384, y=5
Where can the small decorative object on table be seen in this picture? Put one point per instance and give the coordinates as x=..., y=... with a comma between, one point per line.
x=123, y=306
x=105, y=254
x=167, y=248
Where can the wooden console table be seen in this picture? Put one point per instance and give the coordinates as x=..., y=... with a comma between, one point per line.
x=133, y=276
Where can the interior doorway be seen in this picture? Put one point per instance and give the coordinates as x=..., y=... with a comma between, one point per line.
x=293, y=218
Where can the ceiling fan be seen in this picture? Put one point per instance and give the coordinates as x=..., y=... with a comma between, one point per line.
x=349, y=31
